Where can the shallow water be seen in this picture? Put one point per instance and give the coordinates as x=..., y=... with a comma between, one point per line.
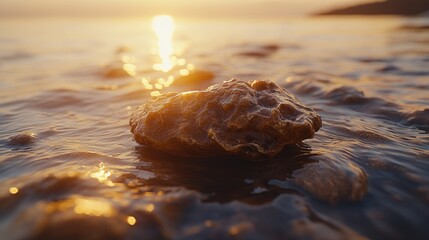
x=69, y=165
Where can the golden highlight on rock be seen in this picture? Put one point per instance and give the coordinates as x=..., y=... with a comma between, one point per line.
x=248, y=119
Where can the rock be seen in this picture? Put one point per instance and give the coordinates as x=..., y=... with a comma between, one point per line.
x=332, y=180
x=248, y=119
x=22, y=139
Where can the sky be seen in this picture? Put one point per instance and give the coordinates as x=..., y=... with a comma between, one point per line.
x=183, y=8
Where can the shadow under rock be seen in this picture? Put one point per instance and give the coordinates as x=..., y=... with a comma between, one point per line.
x=224, y=179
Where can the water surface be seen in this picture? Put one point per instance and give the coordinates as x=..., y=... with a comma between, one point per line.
x=73, y=85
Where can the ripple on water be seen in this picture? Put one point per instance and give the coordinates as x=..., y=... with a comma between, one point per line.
x=58, y=98
x=419, y=119
x=167, y=197
x=86, y=156
x=350, y=98
x=19, y=55
x=363, y=135
x=70, y=206
x=259, y=50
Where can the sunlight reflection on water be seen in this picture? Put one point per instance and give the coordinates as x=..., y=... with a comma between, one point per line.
x=131, y=220
x=170, y=67
x=102, y=175
x=93, y=207
x=163, y=26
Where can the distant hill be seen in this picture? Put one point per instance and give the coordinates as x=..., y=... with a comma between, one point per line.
x=389, y=7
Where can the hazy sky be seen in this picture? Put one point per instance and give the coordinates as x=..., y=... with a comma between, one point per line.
x=190, y=8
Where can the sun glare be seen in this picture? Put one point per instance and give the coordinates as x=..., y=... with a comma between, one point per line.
x=13, y=190
x=102, y=174
x=131, y=220
x=93, y=207
x=163, y=26
x=170, y=65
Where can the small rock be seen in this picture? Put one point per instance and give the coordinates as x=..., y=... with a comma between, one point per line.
x=332, y=180
x=22, y=139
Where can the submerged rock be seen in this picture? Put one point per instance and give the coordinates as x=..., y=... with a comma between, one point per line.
x=250, y=119
x=22, y=139
x=333, y=181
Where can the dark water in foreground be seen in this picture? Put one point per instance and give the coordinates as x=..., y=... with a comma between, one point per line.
x=70, y=169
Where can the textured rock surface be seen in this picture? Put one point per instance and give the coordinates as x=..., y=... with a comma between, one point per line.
x=249, y=119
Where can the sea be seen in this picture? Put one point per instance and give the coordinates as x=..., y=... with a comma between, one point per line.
x=71, y=169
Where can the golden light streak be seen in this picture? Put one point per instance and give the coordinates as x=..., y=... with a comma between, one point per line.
x=171, y=66
x=163, y=26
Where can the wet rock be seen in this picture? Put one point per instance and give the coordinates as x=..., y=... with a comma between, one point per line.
x=333, y=181
x=22, y=139
x=249, y=119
